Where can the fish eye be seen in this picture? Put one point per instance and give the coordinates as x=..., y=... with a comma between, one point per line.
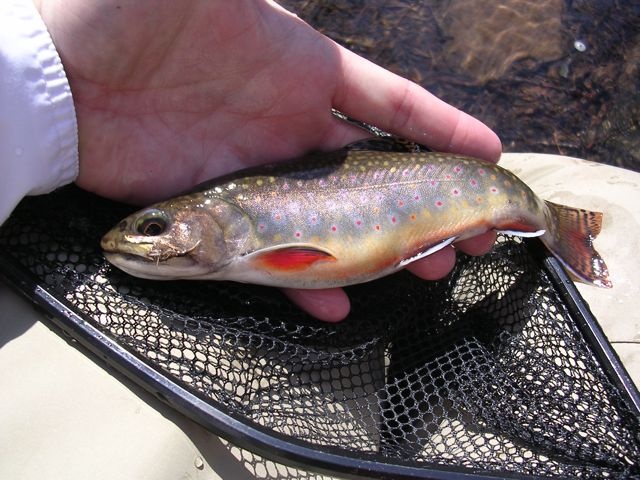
x=151, y=225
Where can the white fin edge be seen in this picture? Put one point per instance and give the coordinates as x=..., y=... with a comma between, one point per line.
x=427, y=252
x=538, y=233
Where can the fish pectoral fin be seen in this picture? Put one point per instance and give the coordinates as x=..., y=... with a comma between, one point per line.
x=428, y=250
x=290, y=257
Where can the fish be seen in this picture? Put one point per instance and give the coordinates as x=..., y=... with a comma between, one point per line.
x=332, y=219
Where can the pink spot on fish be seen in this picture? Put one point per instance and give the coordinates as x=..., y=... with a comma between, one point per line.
x=433, y=183
x=473, y=182
x=358, y=222
x=405, y=172
x=457, y=169
x=261, y=227
x=417, y=197
x=377, y=227
x=285, y=186
x=298, y=234
x=393, y=219
x=448, y=177
x=439, y=203
x=455, y=192
x=494, y=190
x=277, y=216
x=334, y=228
x=400, y=203
x=481, y=172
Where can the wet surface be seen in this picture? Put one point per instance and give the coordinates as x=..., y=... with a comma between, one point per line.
x=550, y=76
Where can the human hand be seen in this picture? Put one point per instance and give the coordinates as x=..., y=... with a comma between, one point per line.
x=169, y=94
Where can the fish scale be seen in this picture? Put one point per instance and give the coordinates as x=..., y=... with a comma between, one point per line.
x=344, y=217
x=411, y=198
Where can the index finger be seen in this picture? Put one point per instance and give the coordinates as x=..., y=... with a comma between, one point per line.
x=376, y=96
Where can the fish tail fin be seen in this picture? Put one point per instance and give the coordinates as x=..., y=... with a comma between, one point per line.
x=570, y=238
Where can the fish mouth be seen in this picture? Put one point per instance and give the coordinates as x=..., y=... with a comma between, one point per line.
x=143, y=267
x=109, y=242
x=114, y=257
x=132, y=264
x=119, y=253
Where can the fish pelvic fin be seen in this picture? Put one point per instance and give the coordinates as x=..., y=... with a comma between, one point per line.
x=426, y=251
x=570, y=238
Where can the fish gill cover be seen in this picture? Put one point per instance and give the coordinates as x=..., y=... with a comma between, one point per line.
x=485, y=371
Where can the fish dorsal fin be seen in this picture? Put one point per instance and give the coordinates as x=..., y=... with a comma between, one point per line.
x=387, y=144
x=291, y=257
x=427, y=251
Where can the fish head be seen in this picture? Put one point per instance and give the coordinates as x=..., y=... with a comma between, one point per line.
x=178, y=239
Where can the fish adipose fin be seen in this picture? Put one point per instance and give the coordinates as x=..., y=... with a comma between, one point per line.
x=427, y=251
x=570, y=239
x=291, y=258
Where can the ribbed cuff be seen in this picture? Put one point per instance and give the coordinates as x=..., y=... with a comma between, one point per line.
x=54, y=86
x=38, y=127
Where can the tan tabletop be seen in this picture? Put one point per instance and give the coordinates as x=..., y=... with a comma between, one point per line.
x=63, y=416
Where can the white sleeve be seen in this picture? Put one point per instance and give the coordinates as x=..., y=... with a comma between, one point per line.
x=38, y=129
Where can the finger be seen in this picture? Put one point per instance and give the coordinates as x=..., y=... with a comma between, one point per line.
x=374, y=95
x=329, y=304
x=478, y=245
x=440, y=263
x=436, y=265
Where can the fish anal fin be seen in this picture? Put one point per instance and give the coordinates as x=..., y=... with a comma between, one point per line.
x=291, y=258
x=426, y=250
x=520, y=229
x=571, y=241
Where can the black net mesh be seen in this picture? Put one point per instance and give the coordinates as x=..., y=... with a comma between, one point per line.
x=485, y=370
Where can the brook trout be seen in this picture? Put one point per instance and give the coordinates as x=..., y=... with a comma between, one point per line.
x=344, y=217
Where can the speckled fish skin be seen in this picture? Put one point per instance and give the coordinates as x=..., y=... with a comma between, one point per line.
x=341, y=218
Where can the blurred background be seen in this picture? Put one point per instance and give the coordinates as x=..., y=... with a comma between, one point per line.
x=549, y=76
